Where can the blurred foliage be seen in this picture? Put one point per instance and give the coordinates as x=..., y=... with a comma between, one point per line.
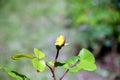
x=97, y=21
x=93, y=12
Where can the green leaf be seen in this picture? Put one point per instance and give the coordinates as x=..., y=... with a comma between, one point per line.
x=88, y=66
x=19, y=56
x=38, y=54
x=59, y=64
x=68, y=63
x=50, y=63
x=66, y=66
x=86, y=55
x=76, y=68
x=39, y=65
x=72, y=60
x=15, y=74
x=87, y=60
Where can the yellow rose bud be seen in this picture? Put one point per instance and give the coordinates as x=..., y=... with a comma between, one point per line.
x=60, y=41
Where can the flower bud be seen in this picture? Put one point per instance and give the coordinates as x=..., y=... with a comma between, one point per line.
x=60, y=42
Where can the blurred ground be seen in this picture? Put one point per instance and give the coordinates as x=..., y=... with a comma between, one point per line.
x=36, y=23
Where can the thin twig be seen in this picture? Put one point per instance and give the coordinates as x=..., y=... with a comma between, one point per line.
x=68, y=70
x=56, y=57
x=64, y=74
x=52, y=71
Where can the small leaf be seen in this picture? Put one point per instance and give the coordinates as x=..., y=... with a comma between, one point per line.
x=59, y=64
x=72, y=60
x=38, y=54
x=84, y=54
x=15, y=74
x=39, y=65
x=88, y=66
x=66, y=66
x=50, y=63
x=19, y=56
x=87, y=60
x=76, y=68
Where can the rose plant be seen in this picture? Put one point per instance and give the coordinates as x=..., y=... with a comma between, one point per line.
x=83, y=61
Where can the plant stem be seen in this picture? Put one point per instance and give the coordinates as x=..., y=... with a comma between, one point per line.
x=52, y=71
x=64, y=74
x=56, y=57
x=67, y=71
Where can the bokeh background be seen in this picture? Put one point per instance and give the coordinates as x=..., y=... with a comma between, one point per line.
x=93, y=24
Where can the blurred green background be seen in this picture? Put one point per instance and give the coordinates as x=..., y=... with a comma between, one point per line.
x=93, y=24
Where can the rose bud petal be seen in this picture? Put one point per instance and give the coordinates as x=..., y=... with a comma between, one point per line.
x=60, y=41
